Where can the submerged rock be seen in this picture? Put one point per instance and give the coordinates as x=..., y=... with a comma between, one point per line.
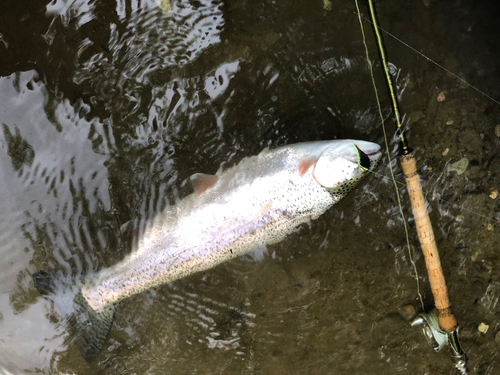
x=459, y=166
x=407, y=311
x=483, y=328
x=494, y=194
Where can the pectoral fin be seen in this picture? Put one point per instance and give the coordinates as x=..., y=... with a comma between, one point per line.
x=306, y=163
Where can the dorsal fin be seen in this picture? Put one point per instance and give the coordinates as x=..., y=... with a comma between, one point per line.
x=306, y=163
x=202, y=182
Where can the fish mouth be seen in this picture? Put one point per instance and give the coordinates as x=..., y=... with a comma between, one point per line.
x=375, y=155
x=367, y=150
x=373, y=151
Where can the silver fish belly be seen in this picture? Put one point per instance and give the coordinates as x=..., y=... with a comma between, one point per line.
x=257, y=202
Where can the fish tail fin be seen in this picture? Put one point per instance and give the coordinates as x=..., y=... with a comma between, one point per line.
x=90, y=328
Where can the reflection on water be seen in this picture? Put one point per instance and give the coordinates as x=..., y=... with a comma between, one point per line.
x=142, y=52
x=108, y=107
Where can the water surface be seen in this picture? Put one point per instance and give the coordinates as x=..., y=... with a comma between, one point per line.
x=108, y=107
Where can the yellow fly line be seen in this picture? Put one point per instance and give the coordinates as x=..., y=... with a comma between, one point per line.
x=446, y=318
x=382, y=120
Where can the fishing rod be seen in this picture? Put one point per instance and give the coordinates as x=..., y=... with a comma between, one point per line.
x=445, y=327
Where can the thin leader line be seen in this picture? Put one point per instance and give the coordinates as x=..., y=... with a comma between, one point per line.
x=445, y=201
x=432, y=61
x=410, y=253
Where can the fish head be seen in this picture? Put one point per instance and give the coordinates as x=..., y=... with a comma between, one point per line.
x=341, y=165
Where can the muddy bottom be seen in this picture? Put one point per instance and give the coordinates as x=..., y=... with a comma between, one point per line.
x=107, y=108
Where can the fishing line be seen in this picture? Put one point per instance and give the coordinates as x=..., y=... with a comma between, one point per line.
x=410, y=253
x=393, y=98
x=428, y=58
x=441, y=200
x=447, y=325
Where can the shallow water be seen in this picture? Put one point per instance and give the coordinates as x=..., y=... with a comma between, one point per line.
x=107, y=108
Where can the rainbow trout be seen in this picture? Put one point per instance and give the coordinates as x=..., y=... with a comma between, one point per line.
x=257, y=202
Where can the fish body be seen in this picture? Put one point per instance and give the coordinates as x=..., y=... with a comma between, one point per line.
x=257, y=202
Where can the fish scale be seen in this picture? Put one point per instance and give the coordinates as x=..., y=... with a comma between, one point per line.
x=187, y=238
x=257, y=202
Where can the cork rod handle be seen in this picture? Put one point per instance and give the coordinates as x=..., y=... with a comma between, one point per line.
x=447, y=320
